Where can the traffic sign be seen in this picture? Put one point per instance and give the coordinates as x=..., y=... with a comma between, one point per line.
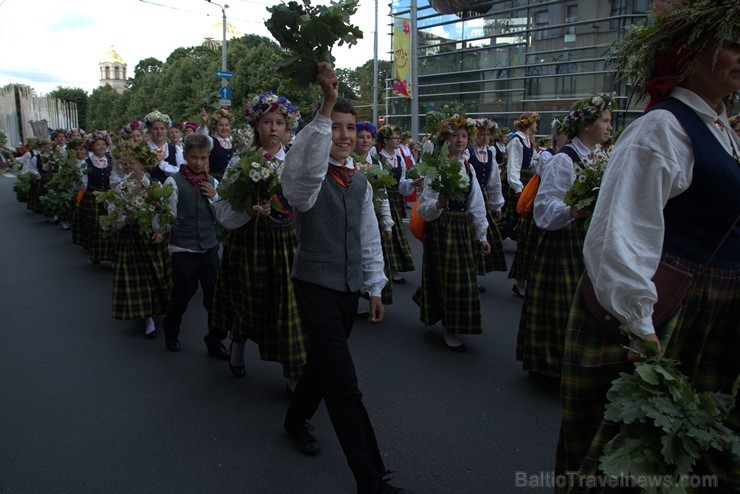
x=224, y=74
x=224, y=102
x=224, y=92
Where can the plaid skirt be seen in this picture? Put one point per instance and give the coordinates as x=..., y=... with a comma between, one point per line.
x=556, y=269
x=263, y=295
x=386, y=295
x=509, y=223
x=90, y=236
x=399, y=252
x=495, y=261
x=34, y=195
x=142, y=276
x=222, y=315
x=703, y=335
x=449, y=290
x=527, y=237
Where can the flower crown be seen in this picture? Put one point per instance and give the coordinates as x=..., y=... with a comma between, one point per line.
x=587, y=110
x=127, y=129
x=214, y=117
x=271, y=102
x=176, y=125
x=190, y=125
x=527, y=119
x=457, y=121
x=98, y=135
x=127, y=151
x=386, y=131
x=367, y=127
x=734, y=120
x=557, y=125
x=72, y=131
x=157, y=116
x=486, y=123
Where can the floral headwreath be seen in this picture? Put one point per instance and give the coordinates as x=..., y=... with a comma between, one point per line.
x=385, y=132
x=127, y=129
x=75, y=143
x=271, y=102
x=97, y=135
x=190, y=125
x=176, y=125
x=72, y=131
x=126, y=151
x=157, y=116
x=527, y=119
x=214, y=117
x=734, y=120
x=456, y=121
x=367, y=127
x=59, y=131
x=557, y=125
x=587, y=110
x=405, y=135
x=486, y=123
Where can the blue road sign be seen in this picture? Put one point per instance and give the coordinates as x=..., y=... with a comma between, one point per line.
x=224, y=92
x=224, y=74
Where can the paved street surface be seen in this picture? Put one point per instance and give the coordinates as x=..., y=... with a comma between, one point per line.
x=88, y=405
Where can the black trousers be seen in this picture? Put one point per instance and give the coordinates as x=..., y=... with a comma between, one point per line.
x=189, y=268
x=329, y=373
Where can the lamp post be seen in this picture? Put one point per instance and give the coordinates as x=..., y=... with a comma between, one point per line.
x=223, y=42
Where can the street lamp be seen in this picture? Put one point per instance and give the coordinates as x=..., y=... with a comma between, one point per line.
x=223, y=43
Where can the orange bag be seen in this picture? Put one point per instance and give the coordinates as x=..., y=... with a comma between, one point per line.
x=526, y=199
x=417, y=224
x=80, y=194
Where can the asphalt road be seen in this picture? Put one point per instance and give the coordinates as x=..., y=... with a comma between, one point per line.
x=88, y=405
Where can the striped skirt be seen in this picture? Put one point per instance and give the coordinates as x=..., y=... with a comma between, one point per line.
x=91, y=237
x=449, y=290
x=556, y=269
x=386, y=295
x=703, y=335
x=142, y=276
x=263, y=296
x=495, y=261
x=399, y=252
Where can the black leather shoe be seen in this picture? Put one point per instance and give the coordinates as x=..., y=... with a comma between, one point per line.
x=383, y=487
x=237, y=370
x=363, y=315
x=300, y=434
x=516, y=291
x=461, y=348
x=219, y=351
x=151, y=335
x=172, y=345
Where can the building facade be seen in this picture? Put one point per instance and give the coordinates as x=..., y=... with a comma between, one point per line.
x=113, y=70
x=500, y=58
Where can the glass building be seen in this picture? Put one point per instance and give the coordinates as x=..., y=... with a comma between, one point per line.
x=500, y=58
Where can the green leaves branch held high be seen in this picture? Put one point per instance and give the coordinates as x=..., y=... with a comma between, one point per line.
x=446, y=175
x=308, y=33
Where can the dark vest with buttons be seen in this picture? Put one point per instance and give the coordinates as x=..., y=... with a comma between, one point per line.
x=219, y=158
x=157, y=173
x=395, y=171
x=527, y=153
x=697, y=219
x=329, y=245
x=98, y=178
x=571, y=152
x=196, y=228
x=461, y=206
x=482, y=170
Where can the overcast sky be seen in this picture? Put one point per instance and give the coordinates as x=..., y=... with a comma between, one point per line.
x=50, y=43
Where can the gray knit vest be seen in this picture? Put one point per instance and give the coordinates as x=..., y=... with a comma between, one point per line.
x=196, y=228
x=329, y=247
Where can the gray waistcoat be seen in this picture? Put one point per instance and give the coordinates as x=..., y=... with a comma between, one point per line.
x=196, y=228
x=329, y=247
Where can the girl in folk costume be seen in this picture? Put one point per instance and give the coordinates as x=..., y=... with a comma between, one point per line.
x=404, y=149
x=75, y=134
x=398, y=250
x=219, y=125
x=133, y=131
x=557, y=262
x=454, y=237
x=188, y=128
x=33, y=163
x=258, y=257
x=668, y=197
x=99, y=174
x=366, y=133
x=519, y=171
x=170, y=156
x=483, y=160
x=142, y=278
x=59, y=141
x=558, y=139
x=174, y=134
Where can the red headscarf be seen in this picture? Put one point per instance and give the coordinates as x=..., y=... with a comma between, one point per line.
x=669, y=66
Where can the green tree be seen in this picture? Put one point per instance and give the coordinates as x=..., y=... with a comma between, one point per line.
x=143, y=87
x=77, y=96
x=102, y=106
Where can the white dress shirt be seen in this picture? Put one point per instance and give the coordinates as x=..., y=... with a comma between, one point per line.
x=165, y=165
x=652, y=162
x=388, y=162
x=514, y=167
x=495, y=195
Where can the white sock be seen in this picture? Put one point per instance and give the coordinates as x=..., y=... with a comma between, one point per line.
x=292, y=384
x=521, y=285
x=451, y=339
x=150, y=327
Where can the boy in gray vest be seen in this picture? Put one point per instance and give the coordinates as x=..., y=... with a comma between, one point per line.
x=193, y=243
x=338, y=256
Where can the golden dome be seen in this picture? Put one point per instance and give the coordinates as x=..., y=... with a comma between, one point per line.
x=112, y=57
x=217, y=31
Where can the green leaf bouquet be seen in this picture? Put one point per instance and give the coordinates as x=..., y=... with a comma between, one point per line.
x=60, y=193
x=379, y=180
x=445, y=175
x=22, y=186
x=585, y=189
x=255, y=178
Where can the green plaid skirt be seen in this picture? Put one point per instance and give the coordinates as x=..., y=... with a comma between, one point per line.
x=142, y=276
x=704, y=335
x=556, y=269
x=509, y=224
x=221, y=318
x=399, y=252
x=263, y=297
x=386, y=295
x=496, y=260
x=449, y=290
x=34, y=195
x=90, y=236
x=527, y=236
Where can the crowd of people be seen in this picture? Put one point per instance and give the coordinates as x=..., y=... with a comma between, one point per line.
x=288, y=270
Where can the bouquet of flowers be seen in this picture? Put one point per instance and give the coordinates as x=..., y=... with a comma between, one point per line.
x=134, y=199
x=446, y=176
x=412, y=173
x=22, y=186
x=585, y=190
x=665, y=425
x=59, y=197
x=256, y=177
x=307, y=33
x=379, y=179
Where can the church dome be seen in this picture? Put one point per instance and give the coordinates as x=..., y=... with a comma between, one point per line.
x=217, y=31
x=112, y=57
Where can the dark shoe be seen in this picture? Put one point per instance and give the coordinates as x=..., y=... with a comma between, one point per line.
x=219, y=351
x=152, y=335
x=400, y=280
x=384, y=487
x=300, y=434
x=172, y=345
x=516, y=291
x=363, y=315
x=481, y=289
x=237, y=370
x=461, y=348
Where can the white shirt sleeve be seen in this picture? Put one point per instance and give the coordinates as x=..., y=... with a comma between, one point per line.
x=373, y=277
x=514, y=166
x=556, y=178
x=495, y=194
x=203, y=130
x=477, y=207
x=386, y=219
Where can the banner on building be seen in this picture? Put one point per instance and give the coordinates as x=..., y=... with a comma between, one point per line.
x=402, y=57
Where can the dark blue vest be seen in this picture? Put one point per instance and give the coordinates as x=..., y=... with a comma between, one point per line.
x=527, y=153
x=98, y=178
x=482, y=170
x=397, y=171
x=39, y=163
x=572, y=154
x=697, y=219
x=157, y=173
x=219, y=158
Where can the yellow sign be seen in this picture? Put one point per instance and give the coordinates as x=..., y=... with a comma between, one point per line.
x=402, y=57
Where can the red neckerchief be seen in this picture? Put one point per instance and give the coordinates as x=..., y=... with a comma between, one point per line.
x=195, y=179
x=341, y=174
